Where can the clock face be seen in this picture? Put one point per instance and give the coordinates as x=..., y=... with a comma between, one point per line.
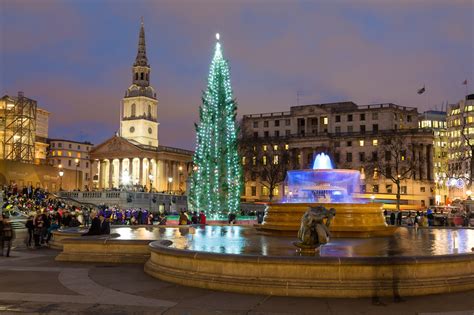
x=132, y=129
x=150, y=130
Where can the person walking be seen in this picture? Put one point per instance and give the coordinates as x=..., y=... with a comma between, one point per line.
x=8, y=235
x=31, y=228
x=392, y=218
x=399, y=218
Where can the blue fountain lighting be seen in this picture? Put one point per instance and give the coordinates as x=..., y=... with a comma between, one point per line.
x=322, y=161
x=323, y=183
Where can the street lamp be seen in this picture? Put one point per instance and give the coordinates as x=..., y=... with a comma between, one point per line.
x=180, y=169
x=170, y=180
x=77, y=175
x=61, y=174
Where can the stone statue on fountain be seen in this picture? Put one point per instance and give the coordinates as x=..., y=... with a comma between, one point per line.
x=314, y=229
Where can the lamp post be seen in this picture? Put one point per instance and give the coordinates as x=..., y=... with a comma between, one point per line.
x=180, y=169
x=170, y=180
x=77, y=175
x=61, y=174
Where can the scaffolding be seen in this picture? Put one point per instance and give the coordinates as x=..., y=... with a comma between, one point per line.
x=19, y=128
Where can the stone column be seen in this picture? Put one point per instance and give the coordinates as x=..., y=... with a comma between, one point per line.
x=130, y=170
x=110, y=174
x=120, y=172
x=99, y=173
x=140, y=174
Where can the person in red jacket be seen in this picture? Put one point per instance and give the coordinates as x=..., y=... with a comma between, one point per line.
x=202, y=218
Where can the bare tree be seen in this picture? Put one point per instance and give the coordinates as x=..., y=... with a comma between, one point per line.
x=264, y=159
x=396, y=159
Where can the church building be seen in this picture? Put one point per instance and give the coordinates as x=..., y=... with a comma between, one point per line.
x=134, y=157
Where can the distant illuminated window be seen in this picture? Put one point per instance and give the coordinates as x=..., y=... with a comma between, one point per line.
x=264, y=160
x=275, y=147
x=264, y=148
x=375, y=142
x=287, y=146
x=361, y=143
x=325, y=120
x=275, y=159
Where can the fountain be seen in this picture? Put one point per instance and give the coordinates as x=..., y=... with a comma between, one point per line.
x=333, y=188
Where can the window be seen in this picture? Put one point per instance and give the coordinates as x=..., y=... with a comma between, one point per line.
x=362, y=128
x=69, y=153
x=388, y=171
x=375, y=116
x=408, y=118
x=70, y=146
x=287, y=146
x=375, y=142
x=277, y=133
x=78, y=154
x=349, y=143
x=253, y=191
x=78, y=147
x=265, y=134
x=254, y=160
x=375, y=127
x=265, y=124
x=375, y=156
x=403, y=189
x=69, y=162
x=264, y=160
x=52, y=144
x=60, y=153
x=275, y=159
x=375, y=188
x=376, y=173
x=349, y=117
x=349, y=157
x=350, y=128
x=361, y=143
x=287, y=132
x=265, y=191
x=422, y=189
x=275, y=147
x=362, y=156
x=255, y=134
x=325, y=120
x=287, y=122
x=277, y=123
x=141, y=76
x=265, y=147
x=60, y=145
x=338, y=129
x=388, y=188
x=243, y=160
x=255, y=124
x=133, y=110
x=149, y=110
x=362, y=117
x=338, y=118
x=136, y=75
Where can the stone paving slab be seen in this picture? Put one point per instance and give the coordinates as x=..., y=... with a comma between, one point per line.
x=81, y=288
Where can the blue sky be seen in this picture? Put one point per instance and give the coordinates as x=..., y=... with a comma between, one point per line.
x=74, y=57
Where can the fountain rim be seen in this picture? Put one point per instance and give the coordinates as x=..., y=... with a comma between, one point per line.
x=157, y=246
x=323, y=170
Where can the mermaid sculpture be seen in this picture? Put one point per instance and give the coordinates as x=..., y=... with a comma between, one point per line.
x=313, y=230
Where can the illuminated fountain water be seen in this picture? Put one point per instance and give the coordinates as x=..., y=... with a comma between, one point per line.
x=333, y=188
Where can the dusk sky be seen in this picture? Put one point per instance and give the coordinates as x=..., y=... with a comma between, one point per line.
x=75, y=57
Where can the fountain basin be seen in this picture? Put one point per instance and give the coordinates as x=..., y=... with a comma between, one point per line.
x=306, y=276
x=351, y=220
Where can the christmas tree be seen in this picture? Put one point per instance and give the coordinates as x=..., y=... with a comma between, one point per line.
x=217, y=178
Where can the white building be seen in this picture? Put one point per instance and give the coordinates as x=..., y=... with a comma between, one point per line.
x=351, y=135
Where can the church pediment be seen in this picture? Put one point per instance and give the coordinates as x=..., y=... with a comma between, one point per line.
x=115, y=146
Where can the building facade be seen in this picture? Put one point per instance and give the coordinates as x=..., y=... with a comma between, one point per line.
x=460, y=123
x=74, y=156
x=436, y=121
x=134, y=157
x=352, y=135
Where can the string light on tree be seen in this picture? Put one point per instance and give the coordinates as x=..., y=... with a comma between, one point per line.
x=216, y=183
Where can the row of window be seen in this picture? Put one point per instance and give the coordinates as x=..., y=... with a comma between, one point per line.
x=276, y=123
x=362, y=143
x=70, y=163
x=67, y=153
x=375, y=128
x=350, y=117
x=60, y=145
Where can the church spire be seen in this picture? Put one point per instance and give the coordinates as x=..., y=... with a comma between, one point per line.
x=141, y=59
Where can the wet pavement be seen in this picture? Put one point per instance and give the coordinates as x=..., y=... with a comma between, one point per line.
x=32, y=282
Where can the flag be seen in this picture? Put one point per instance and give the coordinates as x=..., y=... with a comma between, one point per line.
x=464, y=82
x=422, y=90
